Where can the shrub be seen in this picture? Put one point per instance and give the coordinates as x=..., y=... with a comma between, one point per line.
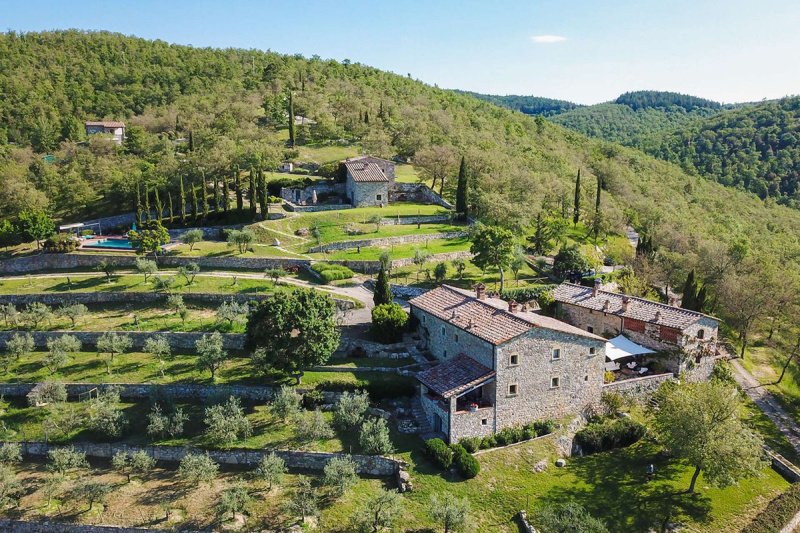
x=389, y=322
x=340, y=474
x=61, y=243
x=312, y=399
x=544, y=427
x=778, y=512
x=489, y=441
x=439, y=452
x=330, y=272
x=471, y=444
x=313, y=426
x=285, y=404
x=227, y=422
x=609, y=434
x=467, y=465
x=197, y=468
x=48, y=392
x=350, y=409
x=378, y=391
x=374, y=437
x=509, y=435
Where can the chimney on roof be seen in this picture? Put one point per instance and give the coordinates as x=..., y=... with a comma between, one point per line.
x=471, y=324
x=512, y=306
x=596, y=287
x=453, y=316
x=480, y=291
x=606, y=305
x=673, y=302
x=626, y=300
x=658, y=317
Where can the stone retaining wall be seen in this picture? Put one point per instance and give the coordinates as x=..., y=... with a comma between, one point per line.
x=45, y=526
x=144, y=391
x=638, y=386
x=416, y=219
x=783, y=466
x=370, y=267
x=418, y=193
x=78, y=260
x=183, y=340
x=368, y=465
x=316, y=207
x=386, y=241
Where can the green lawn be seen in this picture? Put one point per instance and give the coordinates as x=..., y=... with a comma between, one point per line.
x=222, y=249
x=135, y=317
x=472, y=275
x=397, y=251
x=405, y=173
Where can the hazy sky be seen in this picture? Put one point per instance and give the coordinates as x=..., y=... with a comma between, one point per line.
x=584, y=51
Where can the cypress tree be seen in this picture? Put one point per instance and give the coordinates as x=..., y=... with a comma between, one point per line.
x=203, y=189
x=263, y=196
x=183, y=203
x=383, y=291
x=596, y=221
x=148, y=215
x=576, y=214
x=191, y=142
x=159, y=207
x=239, y=196
x=291, y=120
x=381, y=112
x=689, y=300
x=253, y=196
x=171, y=212
x=138, y=205
x=700, y=302
x=366, y=117
x=225, y=192
x=195, y=205
x=461, y=190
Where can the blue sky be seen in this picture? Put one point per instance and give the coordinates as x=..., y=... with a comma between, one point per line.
x=584, y=51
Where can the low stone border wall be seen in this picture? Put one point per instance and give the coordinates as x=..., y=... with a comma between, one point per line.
x=416, y=219
x=416, y=192
x=315, y=207
x=522, y=516
x=369, y=267
x=386, y=241
x=93, y=298
x=78, y=260
x=638, y=386
x=46, y=526
x=368, y=465
x=144, y=391
x=183, y=340
x=403, y=292
x=783, y=466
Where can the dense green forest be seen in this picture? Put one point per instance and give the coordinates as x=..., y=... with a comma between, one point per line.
x=756, y=148
x=644, y=99
x=530, y=105
x=196, y=114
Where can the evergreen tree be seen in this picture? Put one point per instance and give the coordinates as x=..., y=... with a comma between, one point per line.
x=689, y=300
x=171, y=212
x=381, y=113
x=262, y=194
x=147, y=214
x=239, y=194
x=366, y=117
x=253, y=199
x=700, y=302
x=217, y=197
x=183, y=203
x=383, y=291
x=203, y=189
x=596, y=221
x=576, y=213
x=159, y=207
x=191, y=142
x=225, y=198
x=291, y=120
x=195, y=206
x=461, y=191
x=138, y=205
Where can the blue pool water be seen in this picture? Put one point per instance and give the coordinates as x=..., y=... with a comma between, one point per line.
x=117, y=244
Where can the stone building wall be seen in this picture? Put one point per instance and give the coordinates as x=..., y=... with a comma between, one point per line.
x=184, y=340
x=387, y=241
x=366, y=193
x=304, y=195
x=444, y=340
x=643, y=386
x=432, y=409
x=480, y=423
x=370, y=465
x=579, y=373
x=418, y=193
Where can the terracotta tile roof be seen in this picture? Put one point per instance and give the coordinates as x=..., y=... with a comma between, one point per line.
x=456, y=375
x=365, y=171
x=638, y=308
x=487, y=319
x=106, y=123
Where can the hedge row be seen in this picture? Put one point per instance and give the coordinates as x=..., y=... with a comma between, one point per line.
x=445, y=456
x=778, y=512
x=330, y=272
x=509, y=435
x=609, y=434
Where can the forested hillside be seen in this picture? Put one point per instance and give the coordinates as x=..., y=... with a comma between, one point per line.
x=756, y=148
x=196, y=114
x=662, y=99
x=530, y=105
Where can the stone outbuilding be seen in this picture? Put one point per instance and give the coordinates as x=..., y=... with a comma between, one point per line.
x=366, y=184
x=655, y=325
x=109, y=127
x=501, y=364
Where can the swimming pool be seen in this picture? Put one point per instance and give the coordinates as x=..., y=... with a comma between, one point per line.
x=116, y=244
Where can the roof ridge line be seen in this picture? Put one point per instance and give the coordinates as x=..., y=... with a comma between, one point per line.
x=645, y=300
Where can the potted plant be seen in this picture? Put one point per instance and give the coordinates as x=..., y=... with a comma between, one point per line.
x=473, y=407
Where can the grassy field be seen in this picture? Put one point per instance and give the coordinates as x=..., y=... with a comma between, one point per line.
x=222, y=249
x=135, y=317
x=765, y=360
x=397, y=251
x=471, y=276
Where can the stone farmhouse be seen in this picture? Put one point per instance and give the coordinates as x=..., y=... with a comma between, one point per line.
x=368, y=180
x=110, y=127
x=658, y=326
x=500, y=363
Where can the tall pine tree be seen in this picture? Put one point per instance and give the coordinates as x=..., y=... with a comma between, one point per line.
x=461, y=191
x=576, y=213
x=291, y=120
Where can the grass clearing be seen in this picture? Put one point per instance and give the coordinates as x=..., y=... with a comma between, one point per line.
x=397, y=251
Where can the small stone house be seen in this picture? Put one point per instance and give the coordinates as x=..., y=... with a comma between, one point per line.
x=501, y=364
x=655, y=325
x=113, y=128
x=366, y=183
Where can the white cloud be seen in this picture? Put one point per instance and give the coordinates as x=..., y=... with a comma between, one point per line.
x=548, y=39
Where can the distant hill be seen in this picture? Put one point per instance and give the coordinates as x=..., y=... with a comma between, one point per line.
x=662, y=99
x=530, y=105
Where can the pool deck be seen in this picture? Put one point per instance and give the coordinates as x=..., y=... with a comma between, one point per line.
x=93, y=243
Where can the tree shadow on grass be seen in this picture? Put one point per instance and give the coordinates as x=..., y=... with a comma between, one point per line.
x=77, y=284
x=618, y=491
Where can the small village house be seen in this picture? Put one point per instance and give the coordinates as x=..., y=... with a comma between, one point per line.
x=368, y=180
x=501, y=364
x=109, y=127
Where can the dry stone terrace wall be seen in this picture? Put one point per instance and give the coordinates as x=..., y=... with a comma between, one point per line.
x=386, y=241
x=369, y=267
x=78, y=260
x=144, y=391
x=638, y=386
x=184, y=340
x=21, y=526
x=418, y=193
x=368, y=465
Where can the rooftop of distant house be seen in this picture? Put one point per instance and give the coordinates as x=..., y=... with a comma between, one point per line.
x=626, y=306
x=491, y=319
x=105, y=123
x=456, y=375
x=365, y=171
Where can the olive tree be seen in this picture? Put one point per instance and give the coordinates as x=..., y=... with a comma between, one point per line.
x=189, y=271
x=378, y=512
x=233, y=500
x=146, y=267
x=350, y=409
x=210, y=353
x=36, y=313
x=192, y=237
x=105, y=416
x=374, y=437
x=74, y=312
x=196, y=468
x=340, y=474
x=285, y=403
x=91, y=492
x=449, y=511
x=159, y=348
x=58, y=350
x=271, y=470
x=241, y=239
x=162, y=423
x=227, y=422
x=232, y=312
x=19, y=345
x=112, y=343
x=65, y=460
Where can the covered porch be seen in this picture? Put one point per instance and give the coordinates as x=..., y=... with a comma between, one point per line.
x=627, y=360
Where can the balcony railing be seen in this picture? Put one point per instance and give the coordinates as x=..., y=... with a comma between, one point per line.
x=468, y=405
